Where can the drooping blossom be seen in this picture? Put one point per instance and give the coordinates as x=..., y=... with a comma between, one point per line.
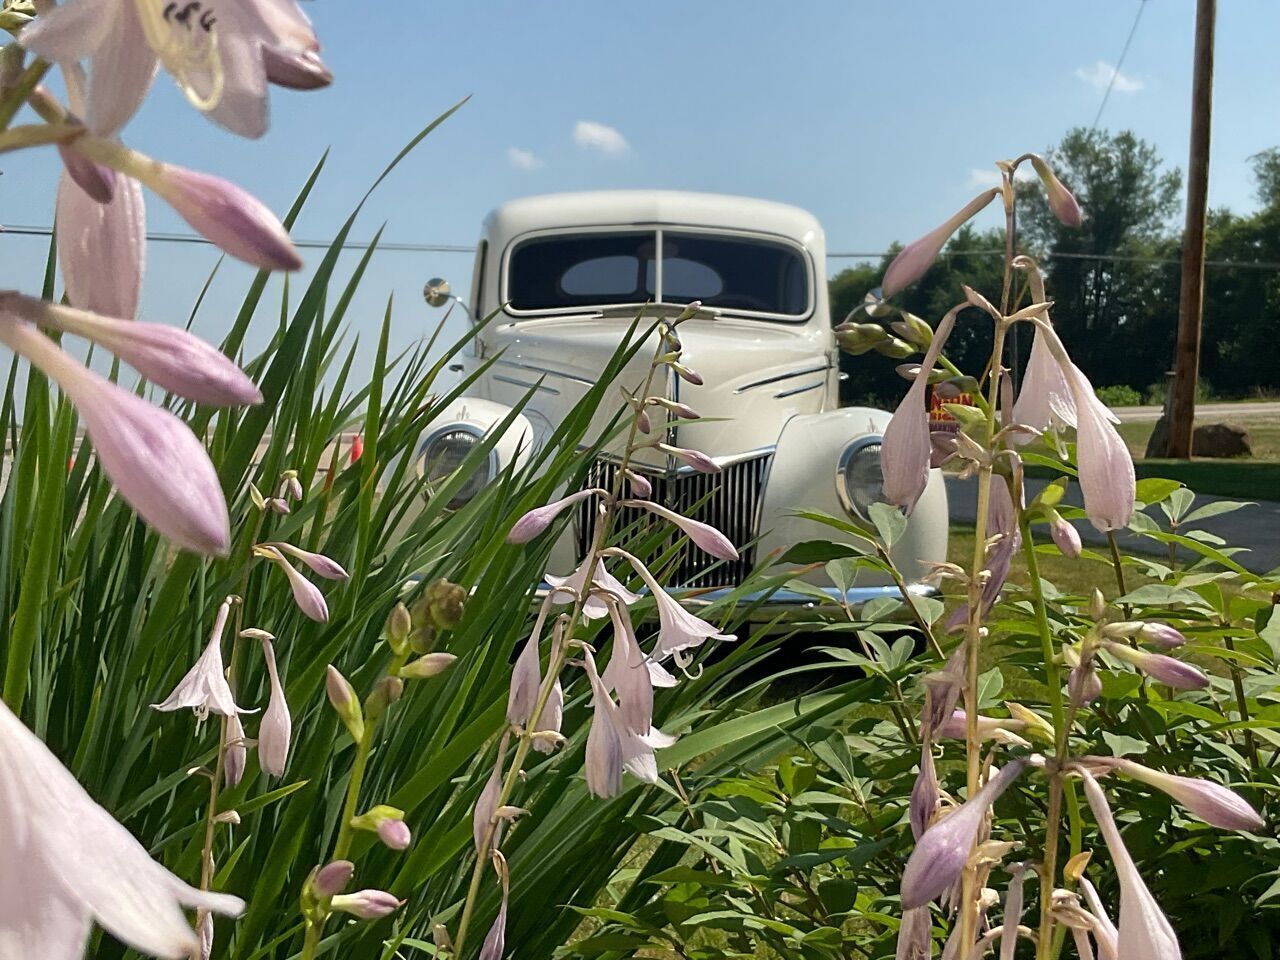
x=205, y=689
x=236, y=755
x=1013, y=904
x=366, y=904
x=906, y=450
x=1144, y=933
x=943, y=689
x=691, y=458
x=1163, y=669
x=306, y=594
x=612, y=746
x=158, y=465
x=318, y=563
x=205, y=930
x=487, y=803
x=1044, y=399
x=1162, y=635
x=276, y=730
x=638, y=485
x=550, y=719
x=538, y=519
x=67, y=863
x=915, y=935
x=569, y=588
x=168, y=356
x=678, y=629
x=940, y=855
x=704, y=535
x=1105, y=466
x=222, y=54
x=955, y=727
x=1002, y=521
x=1065, y=536
x=914, y=260
x=631, y=675
x=526, y=676
x=426, y=666
x=1211, y=802
x=495, y=941
x=925, y=791
x=101, y=243
x=1061, y=200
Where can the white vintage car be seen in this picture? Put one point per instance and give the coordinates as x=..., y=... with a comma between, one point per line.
x=570, y=271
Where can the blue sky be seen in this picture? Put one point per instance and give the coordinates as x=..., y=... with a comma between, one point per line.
x=879, y=117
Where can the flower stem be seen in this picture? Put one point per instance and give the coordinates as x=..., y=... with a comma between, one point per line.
x=27, y=82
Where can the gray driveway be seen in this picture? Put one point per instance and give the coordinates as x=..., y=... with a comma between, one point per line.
x=1255, y=527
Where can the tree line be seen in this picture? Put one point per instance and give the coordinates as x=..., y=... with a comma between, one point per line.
x=1114, y=280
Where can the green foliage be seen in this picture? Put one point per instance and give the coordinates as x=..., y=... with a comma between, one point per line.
x=1119, y=395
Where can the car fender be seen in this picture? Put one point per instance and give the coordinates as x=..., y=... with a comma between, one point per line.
x=804, y=474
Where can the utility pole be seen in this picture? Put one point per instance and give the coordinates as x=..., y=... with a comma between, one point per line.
x=1182, y=411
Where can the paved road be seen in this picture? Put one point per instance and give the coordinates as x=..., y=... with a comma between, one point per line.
x=1255, y=527
x=1205, y=411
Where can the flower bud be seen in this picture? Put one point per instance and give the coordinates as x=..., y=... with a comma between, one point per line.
x=430, y=665
x=1061, y=201
x=538, y=519
x=1097, y=605
x=915, y=259
x=1034, y=725
x=1065, y=536
x=366, y=904
x=1162, y=669
x=1162, y=635
x=1211, y=802
x=445, y=602
x=895, y=348
x=295, y=70
x=643, y=423
x=686, y=374
x=385, y=692
x=913, y=330
x=395, y=834
x=399, y=623
x=343, y=698
x=691, y=309
x=318, y=563
x=1120, y=629
x=233, y=761
x=333, y=877
x=693, y=458
x=858, y=338
x=638, y=485
x=1083, y=684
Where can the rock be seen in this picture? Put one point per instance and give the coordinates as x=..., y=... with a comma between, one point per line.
x=1221, y=440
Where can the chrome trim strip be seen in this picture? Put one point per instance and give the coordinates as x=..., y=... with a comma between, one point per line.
x=782, y=376
x=528, y=386
x=795, y=390
x=534, y=368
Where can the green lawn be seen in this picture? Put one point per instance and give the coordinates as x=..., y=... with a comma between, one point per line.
x=1256, y=478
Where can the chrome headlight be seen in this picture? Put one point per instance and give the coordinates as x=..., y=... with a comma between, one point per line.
x=440, y=456
x=859, y=479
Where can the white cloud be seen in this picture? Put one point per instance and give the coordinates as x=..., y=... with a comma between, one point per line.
x=598, y=136
x=983, y=178
x=523, y=159
x=1099, y=77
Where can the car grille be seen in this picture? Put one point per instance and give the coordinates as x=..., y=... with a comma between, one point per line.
x=729, y=501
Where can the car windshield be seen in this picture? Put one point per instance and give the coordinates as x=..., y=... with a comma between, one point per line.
x=582, y=270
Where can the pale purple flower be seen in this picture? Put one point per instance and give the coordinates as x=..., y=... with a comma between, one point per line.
x=916, y=257
x=704, y=535
x=319, y=564
x=940, y=855
x=1104, y=930
x=1162, y=635
x=612, y=746
x=305, y=593
x=237, y=753
x=627, y=674
x=205, y=927
x=221, y=54
x=1044, y=399
x=171, y=357
x=495, y=941
x=915, y=935
x=95, y=181
x=487, y=804
x=276, y=729
x=550, y=719
x=678, y=629
x=1106, y=469
x=333, y=877
x=345, y=703
x=1211, y=802
x=906, y=450
x=943, y=690
x=1013, y=904
x=526, y=679
x=924, y=792
x=394, y=833
x=366, y=904
x=296, y=71
x=693, y=458
x=1144, y=932
x=1083, y=683
x=570, y=587
x=426, y=666
x=1002, y=519
x=538, y=519
x=159, y=466
x=1065, y=536
x=1163, y=669
x=101, y=243
x=955, y=727
x=204, y=689
x=66, y=863
x=1061, y=201
x=639, y=485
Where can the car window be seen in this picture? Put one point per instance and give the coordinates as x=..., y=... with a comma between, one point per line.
x=599, y=269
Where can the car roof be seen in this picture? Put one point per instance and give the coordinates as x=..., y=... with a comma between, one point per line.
x=623, y=207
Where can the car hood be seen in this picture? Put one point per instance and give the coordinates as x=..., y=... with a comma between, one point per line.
x=756, y=375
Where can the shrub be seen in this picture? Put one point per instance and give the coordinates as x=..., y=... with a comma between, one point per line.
x=1119, y=395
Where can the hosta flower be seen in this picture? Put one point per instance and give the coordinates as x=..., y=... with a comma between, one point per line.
x=612, y=746
x=236, y=755
x=571, y=587
x=1002, y=521
x=204, y=689
x=394, y=833
x=305, y=593
x=702, y=534
x=915, y=935
x=632, y=675
x=66, y=863
x=333, y=877
x=924, y=792
x=318, y=563
x=495, y=941
x=1167, y=670
x=678, y=629
x=1144, y=932
x=487, y=803
x=1162, y=635
x=169, y=357
x=216, y=50
x=916, y=257
x=1061, y=201
x=1013, y=905
x=156, y=462
x=955, y=727
x=940, y=855
x=550, y=719
x=1065, y=536
x=1211, y=802
x=366, y=904
x=101, y=243
x=526, y=680
x=906, y=449
x=277, y=725
x=538, y=519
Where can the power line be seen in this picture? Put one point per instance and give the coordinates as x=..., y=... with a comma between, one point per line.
x=29, y=231
x=1142, y=5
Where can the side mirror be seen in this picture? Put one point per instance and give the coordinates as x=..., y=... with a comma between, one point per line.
x=436, y=292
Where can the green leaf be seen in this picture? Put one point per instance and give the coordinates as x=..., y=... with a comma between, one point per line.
x=889, y=521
